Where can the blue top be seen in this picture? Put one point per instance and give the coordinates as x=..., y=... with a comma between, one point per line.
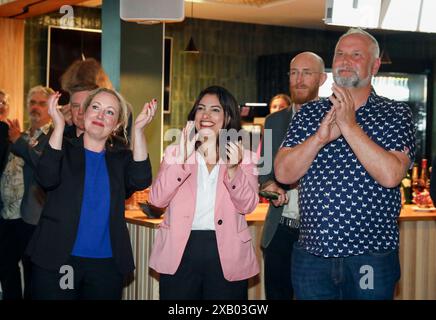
x=93, y=235
x=344, y=211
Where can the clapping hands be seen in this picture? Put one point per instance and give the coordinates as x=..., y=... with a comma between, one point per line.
x=187, y=144
x=54, y=110
x=146, y=115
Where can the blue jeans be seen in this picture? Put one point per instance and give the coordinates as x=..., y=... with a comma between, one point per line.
x=372, y=276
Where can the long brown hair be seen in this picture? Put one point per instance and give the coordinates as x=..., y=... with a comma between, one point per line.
x=232, y=116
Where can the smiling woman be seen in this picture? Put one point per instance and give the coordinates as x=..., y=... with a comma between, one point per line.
x=105, y=114
x=215, y=238
x=87, y=181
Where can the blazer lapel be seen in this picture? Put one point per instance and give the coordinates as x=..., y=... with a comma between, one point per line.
x=113, y=165
x=192, y=166
x=78, y=166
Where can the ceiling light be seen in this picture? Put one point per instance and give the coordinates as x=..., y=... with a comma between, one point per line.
x=353, y=13
x=400, y=15
x=427, y=22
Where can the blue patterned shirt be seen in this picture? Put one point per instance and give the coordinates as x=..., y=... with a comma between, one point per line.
x=344, y=211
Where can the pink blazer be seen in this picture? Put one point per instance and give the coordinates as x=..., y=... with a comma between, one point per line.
x=176, y=189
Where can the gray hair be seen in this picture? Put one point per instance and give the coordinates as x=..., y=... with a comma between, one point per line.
x=375, y=46
x=5, y=95
x=39, y=89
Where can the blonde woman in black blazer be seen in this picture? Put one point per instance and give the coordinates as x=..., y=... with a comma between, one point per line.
x=82, y=231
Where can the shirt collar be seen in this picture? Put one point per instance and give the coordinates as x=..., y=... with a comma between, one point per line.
x=44, y=129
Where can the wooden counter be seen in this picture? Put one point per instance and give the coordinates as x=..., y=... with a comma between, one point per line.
x=413, y=213
x=417, y=254
x=138, y=217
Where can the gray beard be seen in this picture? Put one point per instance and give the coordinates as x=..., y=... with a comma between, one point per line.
x=351, y=82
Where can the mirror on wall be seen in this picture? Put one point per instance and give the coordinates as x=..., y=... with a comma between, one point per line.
x=66, y=46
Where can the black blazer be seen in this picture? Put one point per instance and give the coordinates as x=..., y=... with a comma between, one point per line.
x=62, y=175
x=34, y=196
x=278, y=122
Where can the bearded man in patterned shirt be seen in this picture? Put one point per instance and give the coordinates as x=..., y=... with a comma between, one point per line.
x=349, y=153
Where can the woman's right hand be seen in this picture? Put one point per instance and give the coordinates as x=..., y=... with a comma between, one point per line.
x=55, y=114
x=187, y=145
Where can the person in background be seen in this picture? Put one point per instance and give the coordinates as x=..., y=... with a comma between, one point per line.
x=28, y=146
x=11, y=193
x=280, y=231
x=203, y=248
x=82, y=224
x=349, y=153
x=81, y=77
x=279, y=102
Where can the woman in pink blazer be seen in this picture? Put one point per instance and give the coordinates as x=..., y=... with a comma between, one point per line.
x=203, y=248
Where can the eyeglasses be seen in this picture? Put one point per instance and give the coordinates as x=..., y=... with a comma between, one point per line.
x=304, y=73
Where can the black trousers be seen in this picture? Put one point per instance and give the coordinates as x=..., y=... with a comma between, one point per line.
x=200, y=276
x=79, y=279
x=277, y=264
x=14, y=236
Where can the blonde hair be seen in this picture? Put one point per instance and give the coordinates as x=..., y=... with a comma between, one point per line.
x=281, y=96
x=123, y=117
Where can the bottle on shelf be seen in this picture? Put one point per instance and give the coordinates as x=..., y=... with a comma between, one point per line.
x=423, y=178
x=415, y=178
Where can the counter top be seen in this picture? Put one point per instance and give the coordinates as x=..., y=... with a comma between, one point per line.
x=411, y=212
x=138, y=217
x=408, y=213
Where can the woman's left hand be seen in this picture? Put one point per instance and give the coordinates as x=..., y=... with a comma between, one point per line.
x=146, y=115
x=234, y=153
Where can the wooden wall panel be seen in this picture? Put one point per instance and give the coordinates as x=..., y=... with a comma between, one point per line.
x=12, y=64
x=418, y=261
